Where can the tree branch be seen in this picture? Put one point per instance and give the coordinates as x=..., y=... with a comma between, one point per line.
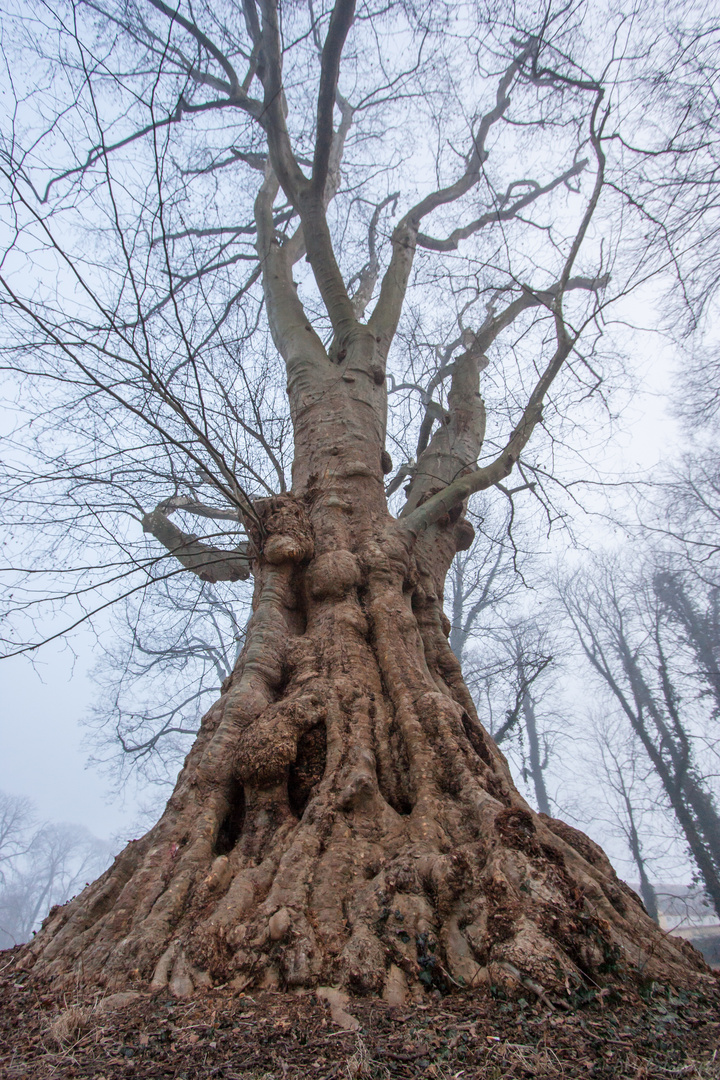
x=422, y=517
x=98, y=153
x=367, y=277
x=386, y=315
x=495, y=324
x=341, y=20
x=290, y=176
x=209, y=563
x=524, y=684
x=204, y=41
x=457, y=442
x=299, y=190
x=451, y=242
x=286, y=315
x=191, y=506
x=477, y=344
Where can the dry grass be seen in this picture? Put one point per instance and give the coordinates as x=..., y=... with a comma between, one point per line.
x=699, y=1070
x=361, y=1065
x=661, y=1036
x=70, y=1025
x=516, y=1059
x=512, y=1061
x=357, y=1065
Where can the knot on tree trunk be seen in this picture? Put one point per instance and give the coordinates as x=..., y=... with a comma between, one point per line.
x=464, y=535
x=282, y=532
x=271, y=745
x=389, y=558
x=333, y=574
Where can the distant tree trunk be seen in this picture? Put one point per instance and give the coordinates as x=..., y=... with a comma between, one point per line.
x=701, y=628
x=343, y=816
x=655, y=720
x=535, y=756
x=670, y=751
x=646, y=889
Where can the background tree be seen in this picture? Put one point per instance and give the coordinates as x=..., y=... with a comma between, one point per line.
x=506, y=654
x=342, y=815
x=530, y=658
x=686, y=514
x=670, y=155
x=621, y=620
x=170, y=652
x=16, y=818
x=626, y=782
x=41, y=865
x=482, y=581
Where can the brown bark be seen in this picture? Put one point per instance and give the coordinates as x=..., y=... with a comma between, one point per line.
x=343, y=818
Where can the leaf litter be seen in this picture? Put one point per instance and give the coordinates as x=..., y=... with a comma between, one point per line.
x=657, y=1034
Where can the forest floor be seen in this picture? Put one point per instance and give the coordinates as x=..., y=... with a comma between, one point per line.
x=226, y=1035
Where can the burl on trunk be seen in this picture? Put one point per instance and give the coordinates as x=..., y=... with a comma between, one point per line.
x=343, y=818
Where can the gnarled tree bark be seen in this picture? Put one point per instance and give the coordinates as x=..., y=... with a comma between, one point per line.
x=343, y=817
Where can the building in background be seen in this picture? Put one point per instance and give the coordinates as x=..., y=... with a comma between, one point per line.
x=686, y=912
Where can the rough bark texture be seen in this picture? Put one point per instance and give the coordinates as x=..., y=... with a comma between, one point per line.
x=343, y=818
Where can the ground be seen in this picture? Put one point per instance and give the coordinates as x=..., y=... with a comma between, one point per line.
x=225, y=1035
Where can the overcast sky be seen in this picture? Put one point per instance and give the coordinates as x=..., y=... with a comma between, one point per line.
x=40, y=741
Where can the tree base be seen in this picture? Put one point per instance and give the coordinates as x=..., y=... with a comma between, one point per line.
x=344, y=820
x=543, y=914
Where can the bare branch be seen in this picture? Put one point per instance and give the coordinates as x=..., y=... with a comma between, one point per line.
x=367, y=277
x=457, y=492
x=209, y=563
x=340, y=22
x=204, y=41
x=191, y=506
x=384, y=318
x=492, y=217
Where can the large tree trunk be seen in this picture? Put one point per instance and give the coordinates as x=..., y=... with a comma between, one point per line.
x=343, y=817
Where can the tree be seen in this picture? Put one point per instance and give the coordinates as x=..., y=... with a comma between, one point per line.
x=54, y=864
x=342, y=814
x=482, y=578
x=529, y=659
x=165, y=662
x=671, y=179
x=624, y=778
x=17, y=815
x=621, y=623
x=699, y=626
x=687, y=516
x=506, y=676
x=504, y=654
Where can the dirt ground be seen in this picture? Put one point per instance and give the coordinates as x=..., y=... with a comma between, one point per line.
x=659, y=1032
